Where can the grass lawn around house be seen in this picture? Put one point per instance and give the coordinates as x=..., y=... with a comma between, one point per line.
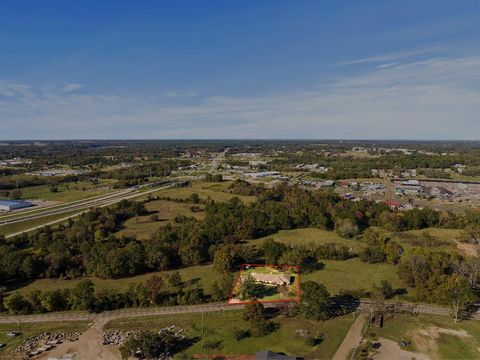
x=30, y=330
x=436, y=336
x=218, y=327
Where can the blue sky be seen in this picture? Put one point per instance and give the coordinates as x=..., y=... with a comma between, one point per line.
x=368, y=69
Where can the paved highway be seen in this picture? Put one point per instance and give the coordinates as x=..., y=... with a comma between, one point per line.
x=81, y=207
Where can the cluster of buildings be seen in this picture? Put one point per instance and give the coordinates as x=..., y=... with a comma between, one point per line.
x=58, y=172
x=263, y=174
x=408, y=187
x=318, y=183
x=312, y=167
x=15, y=162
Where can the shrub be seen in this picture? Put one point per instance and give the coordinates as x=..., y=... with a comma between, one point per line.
x=239, y=334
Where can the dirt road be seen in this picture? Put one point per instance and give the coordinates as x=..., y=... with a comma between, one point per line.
x=89, y=346
x=352, y=339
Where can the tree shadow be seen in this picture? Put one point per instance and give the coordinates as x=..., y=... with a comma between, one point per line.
x=261, y=291
x=184, y=344
x=310, y=265
x=343, y=304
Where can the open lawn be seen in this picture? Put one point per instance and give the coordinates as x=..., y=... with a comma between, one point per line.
x=218, y=326
x=436, y=336
x=25, y=225
x=201, y=275
x=144, y=226
x=216, y=191
x=444, y=239
x=310, y=236
x=66, y=191
x=33, y=329
x=352, y=274
x=336, y=275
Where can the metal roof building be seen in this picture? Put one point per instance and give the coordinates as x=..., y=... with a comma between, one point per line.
x=9, y=205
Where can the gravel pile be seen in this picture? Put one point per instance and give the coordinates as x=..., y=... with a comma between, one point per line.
x=117, y=338
x=44, y=342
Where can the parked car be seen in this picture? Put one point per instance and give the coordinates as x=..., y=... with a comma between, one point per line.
x=14, y=333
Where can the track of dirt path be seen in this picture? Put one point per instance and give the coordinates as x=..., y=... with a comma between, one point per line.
x=352, y=339
x=88, y=347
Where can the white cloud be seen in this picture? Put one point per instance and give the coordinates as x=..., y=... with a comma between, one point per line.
x=71, y=87
x=393, y=56
x=174, y=94
x=432, y=99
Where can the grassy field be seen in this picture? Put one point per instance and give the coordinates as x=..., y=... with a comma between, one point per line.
x=216, y=191
x=33, y=329
x=352, y=274
x=310, y=236
x=413, y=238
x=203, y=275
x=437, y=336
x=335, y=275
x=218, y=326
x=66, y=191
x=166, y=211
x=25, y=225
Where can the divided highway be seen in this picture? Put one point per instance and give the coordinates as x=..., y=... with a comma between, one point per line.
x=80, y=206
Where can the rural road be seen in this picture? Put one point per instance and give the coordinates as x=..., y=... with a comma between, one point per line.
x=115, y=314
x=185, y=309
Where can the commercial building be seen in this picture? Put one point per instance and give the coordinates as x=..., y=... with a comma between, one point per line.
x=9, y=205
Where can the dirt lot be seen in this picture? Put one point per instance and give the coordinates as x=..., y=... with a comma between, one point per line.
x=390, y=350
x=88, y=347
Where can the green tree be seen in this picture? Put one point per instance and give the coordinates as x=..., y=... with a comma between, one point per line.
x=221, y=288
x=346, y=228
x=273, y=251
x=254, y=313
x=17, y=304
x=247, y=287
x=2, y=292
x=174, y=279
x=224, y=258
x=315, y=298
x=195, y=198
x=16, y=194
x=456, y=292
x=149, y=344
x=82, y=296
